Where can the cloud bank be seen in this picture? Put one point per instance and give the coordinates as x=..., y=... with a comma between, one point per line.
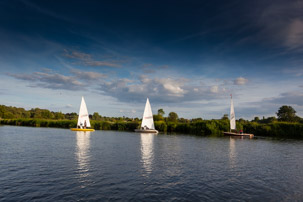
x=240, y=81
x=87, y=59
x=78, y=80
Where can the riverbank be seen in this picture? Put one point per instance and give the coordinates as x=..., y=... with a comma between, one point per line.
x=201, y=127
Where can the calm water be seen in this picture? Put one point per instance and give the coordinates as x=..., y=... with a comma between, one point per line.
x=46, y=164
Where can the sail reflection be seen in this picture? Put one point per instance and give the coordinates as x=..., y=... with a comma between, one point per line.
x=232, y=153
x=82, y=153
x=147, y=151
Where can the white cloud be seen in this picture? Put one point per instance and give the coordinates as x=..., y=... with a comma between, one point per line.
x=149, y=68
x=144, y=79
x=69, y=106
x=294, y=71
x=87, y=75
x=294, y=34
x=160, y=90
x=77, y=81
x=240, y=81
x=50, y=80
x=88, y=60
x=281, y=23
x=214, y=89
x=288, y=98
x=173, y=87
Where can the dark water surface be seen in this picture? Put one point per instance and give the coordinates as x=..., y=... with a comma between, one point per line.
x=46, y=164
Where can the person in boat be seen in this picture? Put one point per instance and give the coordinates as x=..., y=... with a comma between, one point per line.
x=81, y=125
x=85, y=124
x=241, y=131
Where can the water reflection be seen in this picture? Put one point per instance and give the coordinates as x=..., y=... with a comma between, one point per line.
x=232, y=153
x=147, y=153
x=83, y=154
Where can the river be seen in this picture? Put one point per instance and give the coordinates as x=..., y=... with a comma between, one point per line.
x=46, y=164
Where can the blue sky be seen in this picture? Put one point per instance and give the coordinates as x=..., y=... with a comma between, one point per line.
x=186, y=56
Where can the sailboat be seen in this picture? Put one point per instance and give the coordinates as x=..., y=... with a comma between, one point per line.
x=83, y=119
x=233, y=122
x=147, y=125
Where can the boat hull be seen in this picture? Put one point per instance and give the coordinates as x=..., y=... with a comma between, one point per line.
x=82, y=129
x=238, y=134
x=146, y=131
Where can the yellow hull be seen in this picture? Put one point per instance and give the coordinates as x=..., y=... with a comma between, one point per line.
x=82, y=129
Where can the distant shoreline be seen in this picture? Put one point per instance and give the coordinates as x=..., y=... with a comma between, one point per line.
x=200, y=128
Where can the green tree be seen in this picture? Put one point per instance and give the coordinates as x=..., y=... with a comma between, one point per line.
x=173, y=117
x=183, y=120
x=35, y=113
x=161, y=112
x=158, y=117
x=196, y=119
x=286, y=113
x=59, y=115
x=96, y=116
x=225, y=117
x=71, y=116
x=256, y=119
x=46, y=114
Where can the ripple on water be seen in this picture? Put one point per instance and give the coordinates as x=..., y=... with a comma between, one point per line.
x=59, y=165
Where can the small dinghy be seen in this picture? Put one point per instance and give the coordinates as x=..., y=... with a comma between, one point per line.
x=83, y=119
x=147, y=125
x=233, y=123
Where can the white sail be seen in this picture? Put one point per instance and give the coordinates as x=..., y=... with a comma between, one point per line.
x=83, y=115
x=232, y=115
x=148, y=120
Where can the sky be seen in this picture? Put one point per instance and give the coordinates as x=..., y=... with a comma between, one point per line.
x=185, y=56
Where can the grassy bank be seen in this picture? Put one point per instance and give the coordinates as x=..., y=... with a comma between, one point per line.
x=201, y=127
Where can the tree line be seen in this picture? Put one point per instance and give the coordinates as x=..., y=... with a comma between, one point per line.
x=9, y=112
x=286, y=124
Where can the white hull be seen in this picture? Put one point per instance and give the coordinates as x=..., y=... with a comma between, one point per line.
x=146, y=131
x=238, y=134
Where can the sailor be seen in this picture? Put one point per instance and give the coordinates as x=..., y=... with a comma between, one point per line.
x=85, y=124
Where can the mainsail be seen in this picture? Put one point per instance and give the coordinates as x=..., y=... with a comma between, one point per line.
x=83, y=115
x=232, y=114
x=148, y=120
